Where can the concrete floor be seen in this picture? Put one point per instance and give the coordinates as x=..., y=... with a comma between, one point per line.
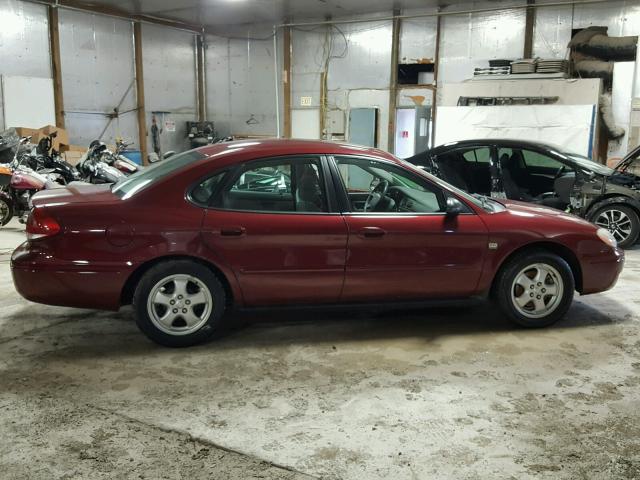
x=446, y=393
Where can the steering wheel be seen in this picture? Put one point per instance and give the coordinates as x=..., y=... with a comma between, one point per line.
x=559, y=172
x=376, y=195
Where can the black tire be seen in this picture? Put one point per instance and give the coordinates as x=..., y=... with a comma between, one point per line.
x=6, y=211
x=506, y=290
x=211, y=321
x=604, y=214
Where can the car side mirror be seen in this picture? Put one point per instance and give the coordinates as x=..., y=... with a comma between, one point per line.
x=454, y=207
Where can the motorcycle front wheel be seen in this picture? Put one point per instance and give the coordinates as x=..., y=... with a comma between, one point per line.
x=6, y=211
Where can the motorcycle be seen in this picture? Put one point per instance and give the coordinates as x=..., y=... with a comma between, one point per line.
x=94, y=169
x=18, y=183
x=48, y=161
x=118, y=160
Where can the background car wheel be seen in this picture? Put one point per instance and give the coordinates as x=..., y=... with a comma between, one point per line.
x=6, y=212
x=621, y=221
x=179, y=303
x=535, y=289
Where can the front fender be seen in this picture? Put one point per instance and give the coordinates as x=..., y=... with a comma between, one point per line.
x=612, y=200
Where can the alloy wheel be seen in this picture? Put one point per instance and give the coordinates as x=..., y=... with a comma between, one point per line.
x=179, y=304
x=537, y=290
x=617, y=222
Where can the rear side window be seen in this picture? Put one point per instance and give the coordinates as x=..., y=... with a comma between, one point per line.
x=127, y=187
x=478, y=155
x=291, y=185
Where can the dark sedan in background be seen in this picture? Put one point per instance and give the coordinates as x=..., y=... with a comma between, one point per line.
x=544, y=175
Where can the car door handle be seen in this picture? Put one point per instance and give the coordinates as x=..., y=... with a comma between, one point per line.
x=372, y=232
x=232, y=231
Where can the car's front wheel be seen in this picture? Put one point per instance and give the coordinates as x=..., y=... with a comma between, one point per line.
x=179, y=303
x=535, y=289
x=622, y=221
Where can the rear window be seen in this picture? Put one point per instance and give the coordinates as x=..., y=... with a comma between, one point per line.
x=127, y=187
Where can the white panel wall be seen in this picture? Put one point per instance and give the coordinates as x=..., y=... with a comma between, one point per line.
x=417, y=37
x=24, y=41
x=169, y=81
x=241, y=89
x=471, y=40
x=97, y=76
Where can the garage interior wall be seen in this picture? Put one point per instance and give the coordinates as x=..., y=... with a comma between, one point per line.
x=24, y=42
x=97, y=77
x=241, y=84
x=168, y=57
x=97, y=64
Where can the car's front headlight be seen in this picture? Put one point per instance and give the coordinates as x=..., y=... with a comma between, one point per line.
x=607, y=237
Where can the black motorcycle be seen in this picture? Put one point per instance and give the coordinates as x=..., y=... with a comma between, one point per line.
x=47, y=160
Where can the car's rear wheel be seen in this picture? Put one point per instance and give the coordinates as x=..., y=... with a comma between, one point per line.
x=179, y=303
x=622, y=221
x=535, y=289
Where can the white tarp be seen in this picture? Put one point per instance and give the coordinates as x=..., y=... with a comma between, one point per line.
x=568, y=126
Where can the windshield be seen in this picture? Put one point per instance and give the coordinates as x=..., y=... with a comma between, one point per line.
x=589, y=164
x=128, y=186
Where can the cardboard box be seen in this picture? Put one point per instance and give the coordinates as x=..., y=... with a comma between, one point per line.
x=59, y=143
x=26, y=132
x=73, y=156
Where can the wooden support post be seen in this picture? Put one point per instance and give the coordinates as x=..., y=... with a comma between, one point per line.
x=201, y=78
x=286, y=81
x=528, y=29
x=142, y=120
x=393, y=81
x=434, y=93
x=56, y=70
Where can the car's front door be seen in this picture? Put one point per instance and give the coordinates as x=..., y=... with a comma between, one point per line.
x=405, y=247
x=272, y=223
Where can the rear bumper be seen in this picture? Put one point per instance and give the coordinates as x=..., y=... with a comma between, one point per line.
x=42, y=279
x=600, y=273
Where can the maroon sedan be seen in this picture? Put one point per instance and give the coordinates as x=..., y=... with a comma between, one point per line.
x=267, y=223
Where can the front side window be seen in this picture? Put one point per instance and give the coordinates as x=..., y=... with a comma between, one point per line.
x=292, y=185
x=203, y=192
x=534, y=159
x=374, y=186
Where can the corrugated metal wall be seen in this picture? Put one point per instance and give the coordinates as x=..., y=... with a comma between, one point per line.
x=169, y=83
x=97, y=76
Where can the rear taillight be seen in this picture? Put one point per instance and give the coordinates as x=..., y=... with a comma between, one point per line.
x=40, y=225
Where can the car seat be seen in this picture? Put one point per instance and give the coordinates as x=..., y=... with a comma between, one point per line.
x=308, y=191
x=451, y=168
x=514, y=192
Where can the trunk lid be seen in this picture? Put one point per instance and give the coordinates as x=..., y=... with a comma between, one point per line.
x=74, y=193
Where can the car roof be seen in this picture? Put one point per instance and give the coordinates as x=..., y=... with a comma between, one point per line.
x=506, y=142
x=242, y=150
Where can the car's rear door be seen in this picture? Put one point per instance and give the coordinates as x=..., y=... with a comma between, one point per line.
x=273, y=222
x=400, y=254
